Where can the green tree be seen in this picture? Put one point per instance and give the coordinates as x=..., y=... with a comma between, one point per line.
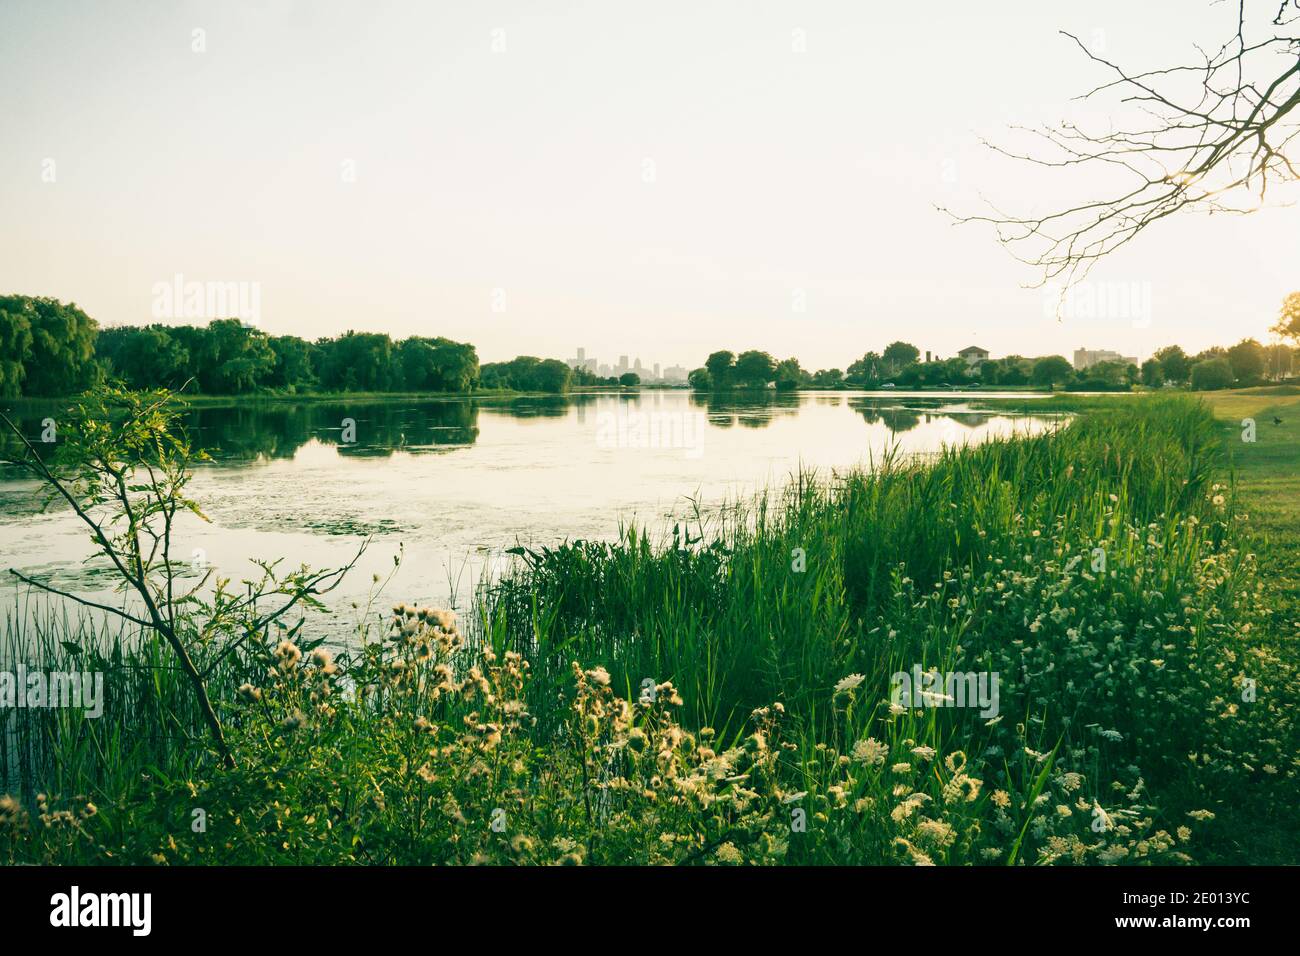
x=235, y=358
x=790, y=375
x=898, y=355
x=60, y=357
x=1111, y=374
x=867, y=371
x=754, y=369
x=1280, y=360
x=553, y=376
x=1153, y=373
x=700, y=380
x=1052, y=370
x=1212, y=374
x=417, y=362
x=1015, y=370
x=294, y=367
x=1288, y=323
x=457, y=364
x=1174, y=363
x=828, y=378
x=148, y=357
x=1248, y=360
x=628, y=379
x=15, y=348
x=721, y=366
x=356, y=362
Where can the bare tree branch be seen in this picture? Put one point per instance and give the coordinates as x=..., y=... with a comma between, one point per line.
x=1207, y=135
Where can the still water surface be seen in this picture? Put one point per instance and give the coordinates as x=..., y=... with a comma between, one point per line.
x=454, y=482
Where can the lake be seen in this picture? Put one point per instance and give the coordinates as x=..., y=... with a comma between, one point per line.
x=453, y=482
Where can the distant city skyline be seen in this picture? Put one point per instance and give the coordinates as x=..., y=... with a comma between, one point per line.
x=649, y=372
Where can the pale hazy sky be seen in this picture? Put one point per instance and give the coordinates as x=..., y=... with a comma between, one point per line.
x=778, y=176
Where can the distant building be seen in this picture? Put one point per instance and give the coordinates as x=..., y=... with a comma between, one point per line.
x=974, y=356
x=582, y=362
x=673, y=374
x=1086, y=358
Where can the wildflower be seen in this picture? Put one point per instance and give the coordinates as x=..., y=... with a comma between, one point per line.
x=1001, y=798
x=848, y=684
x=1201, y=814
x=870, y=751
x=1113, y=854
x=598, y=675
x=295, y=720
x=728, y=855
x=249, y=694
x=289, y=655
x=919, y=858
x=11, y=811
x=935, y=833
x=323, y=660
x=521, y=845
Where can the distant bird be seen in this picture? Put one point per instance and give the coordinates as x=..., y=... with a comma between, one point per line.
x=1276, y=420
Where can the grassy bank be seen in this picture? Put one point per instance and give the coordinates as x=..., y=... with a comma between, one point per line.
x=735, y=697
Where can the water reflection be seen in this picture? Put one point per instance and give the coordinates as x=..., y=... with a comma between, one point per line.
x=457, y=482
x=278, y=430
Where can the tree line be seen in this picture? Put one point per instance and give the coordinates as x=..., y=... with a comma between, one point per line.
x=49, y=348
x=1246, y=363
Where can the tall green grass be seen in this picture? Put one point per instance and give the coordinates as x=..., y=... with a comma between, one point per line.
x=150, y=722
x=1098, y=570
x=720, y=609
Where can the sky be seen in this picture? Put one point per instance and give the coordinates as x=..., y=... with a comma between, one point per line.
x=658, y=180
